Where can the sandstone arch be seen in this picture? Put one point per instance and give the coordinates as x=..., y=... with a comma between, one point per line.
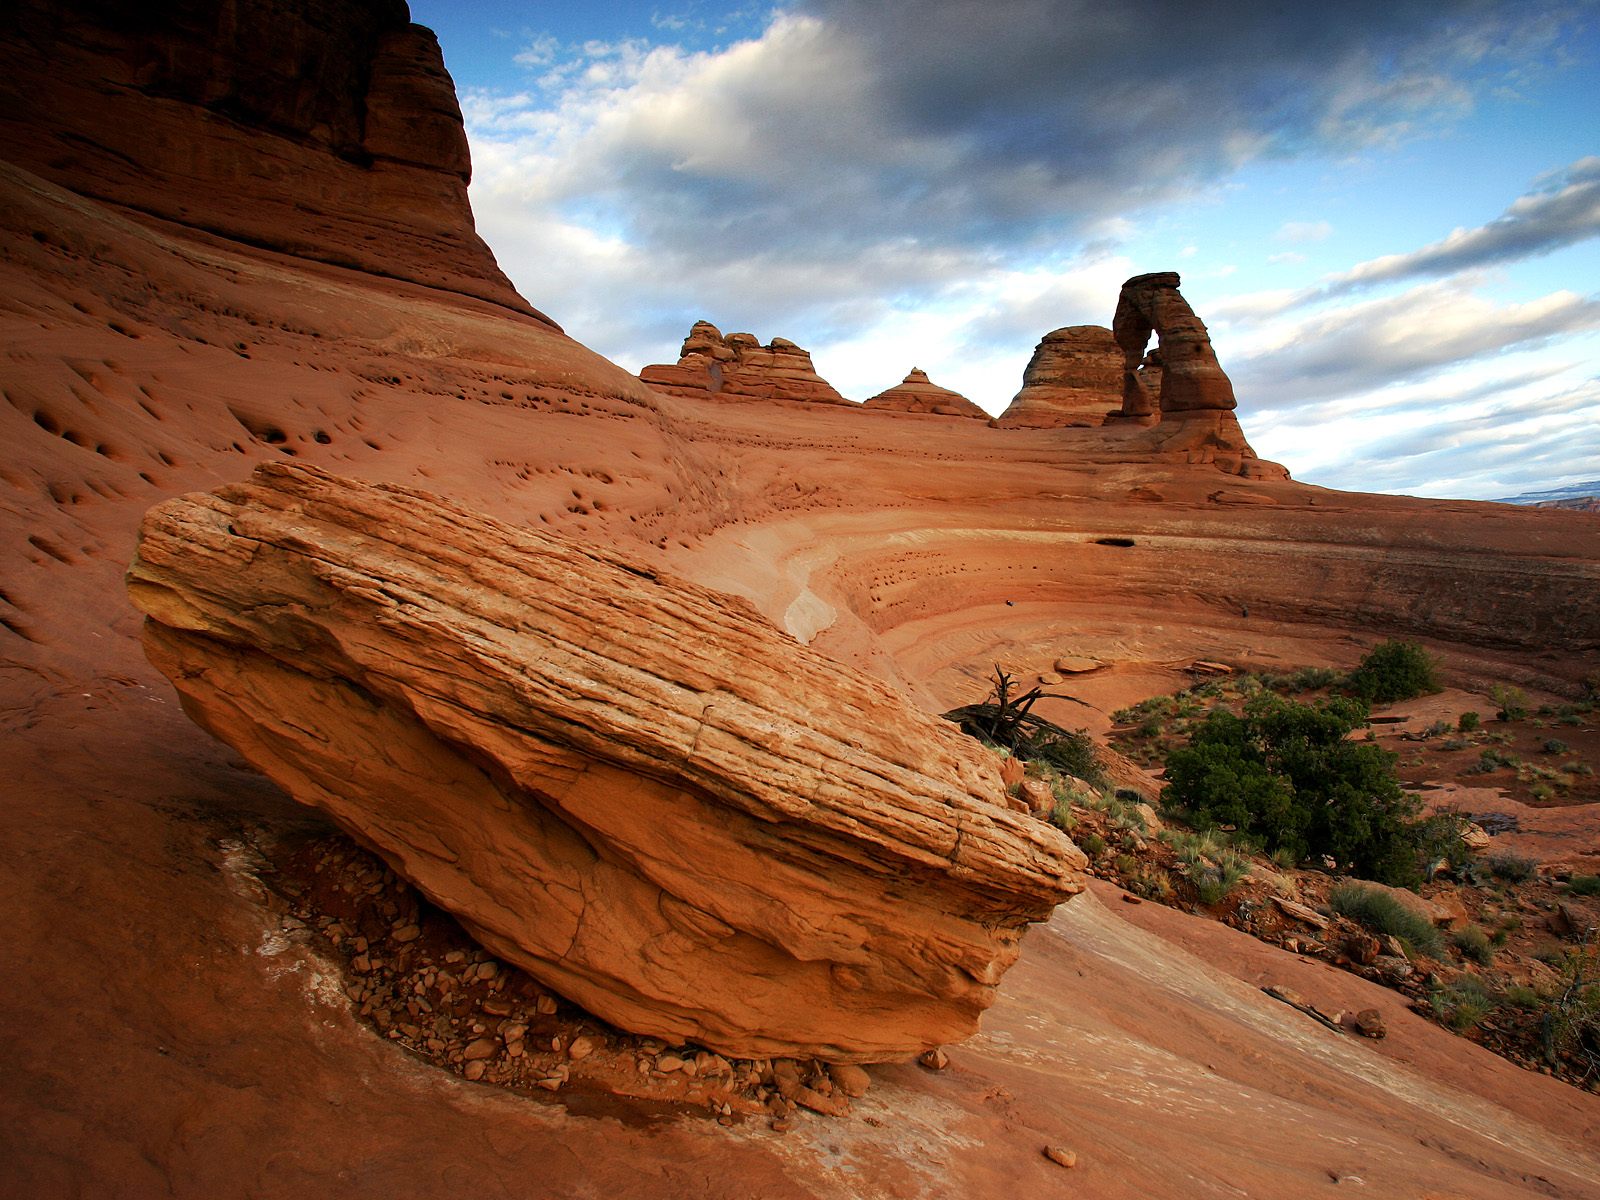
x=1182, y=374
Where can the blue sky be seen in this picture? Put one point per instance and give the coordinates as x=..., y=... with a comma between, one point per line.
x=1385, y=211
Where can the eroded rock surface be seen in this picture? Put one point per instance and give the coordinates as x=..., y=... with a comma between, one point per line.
x=1073, y=378
x=919, y=394
x=633, y=787
x=739, y=367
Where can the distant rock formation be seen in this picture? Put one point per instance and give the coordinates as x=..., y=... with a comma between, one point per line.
x=918, y=394
x=1183, y=374
x=1073, y=378
x=633, y=787
x=739, y=367
x=327, y=131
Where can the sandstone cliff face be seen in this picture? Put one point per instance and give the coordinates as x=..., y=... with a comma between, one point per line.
x=918, y=394
x=1191, y=378
x=739, y=367
x=327, y=131
x=632, y=787
x=1073, y=378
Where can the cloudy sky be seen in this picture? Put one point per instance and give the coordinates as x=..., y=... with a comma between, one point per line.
x=1385, y=211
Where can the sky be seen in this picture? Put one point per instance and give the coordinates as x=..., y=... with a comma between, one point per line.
x=1386, y=213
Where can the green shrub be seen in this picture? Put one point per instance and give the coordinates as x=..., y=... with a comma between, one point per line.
x=1467, y=722
x=1584, y=885
x=1394, y=671
x=1383, y=914
x=1463, y=1004
x=1062, y=816
x=1512, y=867
x=1522, y=996
x=1094, y=845
x=1513, y=705
x=1286, y=774
x=1474, y=944
x=1555, y=746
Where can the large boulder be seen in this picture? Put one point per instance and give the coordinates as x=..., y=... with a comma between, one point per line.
x=916, y=393
x=634, y=788
x=739, y=367
x=1073, y=378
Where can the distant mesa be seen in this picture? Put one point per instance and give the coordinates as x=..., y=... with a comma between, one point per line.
x=738, y=367
x=919, y=394
x=1073, y=378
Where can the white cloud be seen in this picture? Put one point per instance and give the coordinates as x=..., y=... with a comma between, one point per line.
x=1304, y=231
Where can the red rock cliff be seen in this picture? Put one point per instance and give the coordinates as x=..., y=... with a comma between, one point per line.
x=329, y=131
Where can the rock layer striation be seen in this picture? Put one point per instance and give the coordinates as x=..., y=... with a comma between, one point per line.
x=1073, y=378
x=739, y=367
x=632, y=787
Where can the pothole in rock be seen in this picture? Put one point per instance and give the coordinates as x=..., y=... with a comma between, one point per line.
x=418, y=979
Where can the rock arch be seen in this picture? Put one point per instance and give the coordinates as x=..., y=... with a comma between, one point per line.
x=1182, y=374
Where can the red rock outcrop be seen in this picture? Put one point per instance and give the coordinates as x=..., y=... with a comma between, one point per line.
x=327, y=131
x=918, y=394
x=1073, y=378
x=1191, y=378
x=739, y=367
x=634, y=788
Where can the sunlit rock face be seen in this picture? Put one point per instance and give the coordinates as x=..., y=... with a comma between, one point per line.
x=919, y=394
x=1073, y=378
x=634, y=788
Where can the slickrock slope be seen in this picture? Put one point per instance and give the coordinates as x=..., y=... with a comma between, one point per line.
x=633, y=788
x=329, y=131
x=738, y=367
x=919, y=394
x=1073, y=378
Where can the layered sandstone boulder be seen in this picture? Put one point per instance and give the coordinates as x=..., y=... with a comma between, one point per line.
x=328, y=131
x=1073, y=379
x=919, y=394
x=739, y=367
x=1190, y=377
x=632, y=787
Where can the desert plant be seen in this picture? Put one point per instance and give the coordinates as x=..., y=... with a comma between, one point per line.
x=1462, y=1004
x=1062, y=816
x=1007, y=720
x=1522, y=996
x=1287, y=774
x=1513, y=868
x=1094, y=845
x=1394, y=671
x=1468, y=721
x=1584, y=885
x=1383, y=914
x=1473, y=943
x=1512, y=703
x=1555, y=746
x=1570, y=1028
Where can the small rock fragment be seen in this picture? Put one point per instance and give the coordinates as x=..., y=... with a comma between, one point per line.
x=581, y=1048
x=850, y=1079
x=934, y=1060
x=406, y=933
x=475, y=1069
x=668, y=1063
x=480, y=1048
x=1369, y=1023
x=1061, y=1156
